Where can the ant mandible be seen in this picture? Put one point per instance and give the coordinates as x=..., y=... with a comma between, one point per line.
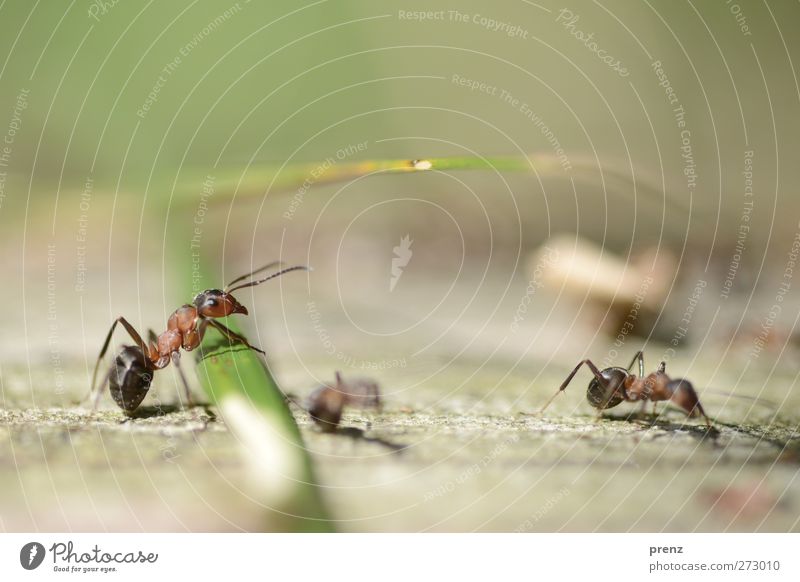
x=611, y=386
x=132, y=372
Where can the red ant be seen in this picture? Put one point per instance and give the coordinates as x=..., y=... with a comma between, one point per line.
x=326, y=403
x=132, y=371
x=611, y=386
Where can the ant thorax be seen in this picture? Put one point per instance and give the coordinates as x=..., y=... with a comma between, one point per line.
x=652, y=387
x=184, y=322
x=184, y=319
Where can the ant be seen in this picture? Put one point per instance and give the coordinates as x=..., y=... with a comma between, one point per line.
x=132, y=372
x=611, y=386
x=326, y=403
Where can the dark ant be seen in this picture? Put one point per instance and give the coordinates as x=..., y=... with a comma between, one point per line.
x=611, y=386
x=326, y=403
x=132, y=371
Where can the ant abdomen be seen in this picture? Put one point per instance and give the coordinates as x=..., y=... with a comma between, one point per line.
x=130, y=379
x=685, y=396
x=602, y=398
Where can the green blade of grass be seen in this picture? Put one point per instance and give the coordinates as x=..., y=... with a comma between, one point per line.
x=255, y=410
x=246, y=395
x=257, y=180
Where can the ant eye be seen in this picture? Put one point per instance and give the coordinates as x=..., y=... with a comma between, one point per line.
x=212, y=302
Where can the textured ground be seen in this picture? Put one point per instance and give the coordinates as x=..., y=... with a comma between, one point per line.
x=469, y=462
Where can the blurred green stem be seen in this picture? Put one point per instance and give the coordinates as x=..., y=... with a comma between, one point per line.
x=254, y=408
x=258, y=180
x=242, y=388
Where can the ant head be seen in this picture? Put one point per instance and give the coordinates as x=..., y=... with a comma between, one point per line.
x=612, y=393
x=214, y=303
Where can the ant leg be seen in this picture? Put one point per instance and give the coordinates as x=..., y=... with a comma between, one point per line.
x=563, y=386
x=152, y=344
x=639, y=356
x=152, y=338
x=233, y=336
x=201, y=329
x=376, y=400
x=176, y=359
x=134, y=335
x=95, y=395
x=251, y=273
x=643, y=411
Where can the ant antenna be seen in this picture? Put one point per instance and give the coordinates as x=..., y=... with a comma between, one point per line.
x=250, y=274
x=265, y=279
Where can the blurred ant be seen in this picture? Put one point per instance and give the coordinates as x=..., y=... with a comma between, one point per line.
x=611, y=386
x=326, y=403
x=132, y=372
